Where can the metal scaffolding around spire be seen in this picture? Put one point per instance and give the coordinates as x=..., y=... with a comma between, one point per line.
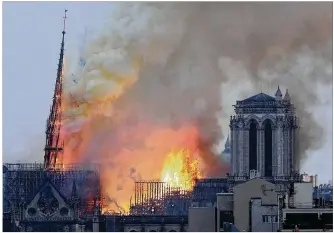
x=54, y=144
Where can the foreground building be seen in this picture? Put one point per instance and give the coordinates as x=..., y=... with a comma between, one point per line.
x=253, y=206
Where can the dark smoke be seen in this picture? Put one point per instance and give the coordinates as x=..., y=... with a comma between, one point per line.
x=269, y=44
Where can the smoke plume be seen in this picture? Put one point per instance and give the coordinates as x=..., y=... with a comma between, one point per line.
x=164, y=75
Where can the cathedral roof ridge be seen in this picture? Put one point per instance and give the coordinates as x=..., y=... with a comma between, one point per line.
x=260, y=97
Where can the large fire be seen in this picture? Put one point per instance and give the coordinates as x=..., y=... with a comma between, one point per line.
x=101, y=126
x=180, y=170
x=130, y=150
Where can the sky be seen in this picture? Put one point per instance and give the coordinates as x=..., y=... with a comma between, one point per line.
x=31, y=46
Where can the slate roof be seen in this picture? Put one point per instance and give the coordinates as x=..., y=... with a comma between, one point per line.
x=258, y=98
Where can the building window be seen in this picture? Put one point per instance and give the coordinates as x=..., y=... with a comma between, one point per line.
x=269, y=218
x=226, y=217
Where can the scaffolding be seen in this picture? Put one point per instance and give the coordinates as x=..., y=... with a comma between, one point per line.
x=22, y=181
x=160, y=198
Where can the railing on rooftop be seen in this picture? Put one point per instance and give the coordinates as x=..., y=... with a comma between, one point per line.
x=59, y=167
x=152, y=219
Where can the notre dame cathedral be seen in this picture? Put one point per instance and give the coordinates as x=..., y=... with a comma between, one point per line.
x=263, y=136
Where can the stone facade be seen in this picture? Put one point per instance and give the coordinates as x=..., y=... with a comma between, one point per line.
x=271, y=160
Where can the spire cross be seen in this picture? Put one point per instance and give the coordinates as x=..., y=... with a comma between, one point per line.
x=65, y=17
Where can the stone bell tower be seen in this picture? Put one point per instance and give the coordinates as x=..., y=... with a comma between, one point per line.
x=263, y=136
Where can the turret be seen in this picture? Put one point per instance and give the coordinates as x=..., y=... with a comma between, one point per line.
x=227, y=143
x=287, y=96
x=227, y=150
x=278, y=94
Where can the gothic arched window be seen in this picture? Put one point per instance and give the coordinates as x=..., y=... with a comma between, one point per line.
x=253, y=145
x=268, y=148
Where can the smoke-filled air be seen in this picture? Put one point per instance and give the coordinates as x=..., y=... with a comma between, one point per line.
x=154, y=97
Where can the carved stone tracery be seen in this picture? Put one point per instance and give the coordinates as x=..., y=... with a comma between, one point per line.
x=47, y=203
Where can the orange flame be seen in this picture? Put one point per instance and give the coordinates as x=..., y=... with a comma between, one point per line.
x=180, y=170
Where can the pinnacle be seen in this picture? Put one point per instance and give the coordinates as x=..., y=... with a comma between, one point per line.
x=278, y=92
x=287, y=96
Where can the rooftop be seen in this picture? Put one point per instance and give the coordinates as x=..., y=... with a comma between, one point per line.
x=261, y=97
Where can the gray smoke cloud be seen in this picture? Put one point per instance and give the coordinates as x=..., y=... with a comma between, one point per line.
x=199, y=58
x=238, y=47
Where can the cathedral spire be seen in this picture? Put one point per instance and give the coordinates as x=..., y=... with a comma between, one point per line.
x=287, y=96
x=53, y=146
x=278, y=94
